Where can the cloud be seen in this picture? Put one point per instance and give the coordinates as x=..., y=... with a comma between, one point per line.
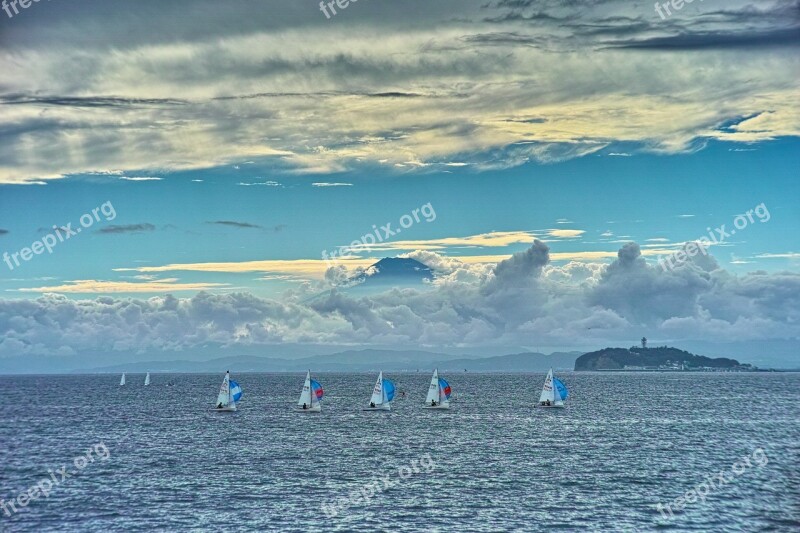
x=502, y=84
x=128, y=228
x=140, y=178
x=469, y=304
x=260, y=184
x=326, y=184
x=234, y=224
x=107, y=287
x=566, y=233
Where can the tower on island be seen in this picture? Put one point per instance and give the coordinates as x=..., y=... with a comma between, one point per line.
x=644, y=343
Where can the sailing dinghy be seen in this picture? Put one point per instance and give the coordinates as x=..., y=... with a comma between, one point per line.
x=229, y=393
x=147, y=379
x=382, y=395
x=438, y=393
x=122, y=380
x=311, y=397
x=554, y=393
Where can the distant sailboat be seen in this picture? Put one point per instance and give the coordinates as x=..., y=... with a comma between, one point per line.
x=122, y=380
x=311, y=396
x=229, y=393
x=382, y=395
x=438, y=393
x=554, y=393
x=147, y=379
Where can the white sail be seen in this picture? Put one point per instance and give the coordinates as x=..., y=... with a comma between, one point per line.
x=434, y=394
x=225, y=398
x=147, y=379
x=377, y=393
x=122, y=380
x=548, y=389
x=305, y=395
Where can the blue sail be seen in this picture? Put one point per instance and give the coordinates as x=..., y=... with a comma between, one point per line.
x=317, y=388
x=445, y=386
x=388, y=390
x=562, y=390
x=236, y=391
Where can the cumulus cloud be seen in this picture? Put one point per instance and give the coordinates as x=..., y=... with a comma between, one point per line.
x=519, y=300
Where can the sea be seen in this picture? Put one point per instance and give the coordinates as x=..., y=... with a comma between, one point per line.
x=629, y=452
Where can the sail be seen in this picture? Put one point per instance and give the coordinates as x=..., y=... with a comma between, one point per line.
x=236, y=391
x=377, y=392
x=444, y=391
x=561, y=390
x=388, y=390
x=548, y=390
x=122, y=381
x=433, y=390
x=316, y=392
x=147, y=379
x=224, y=397
x=305, y=394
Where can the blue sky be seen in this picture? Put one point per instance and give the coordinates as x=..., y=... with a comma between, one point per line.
x=559, y=152
x=659, y=201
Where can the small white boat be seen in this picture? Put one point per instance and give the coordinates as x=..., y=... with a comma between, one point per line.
x=438, y=393
x=122, y=380
x=554, y=393
x=147, y=379
x=311, y=396
x=229, y=393
x=382, y=395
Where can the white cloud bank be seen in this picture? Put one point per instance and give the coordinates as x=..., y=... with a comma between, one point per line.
x=522, y=300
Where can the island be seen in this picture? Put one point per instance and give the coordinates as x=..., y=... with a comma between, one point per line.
x=661, y=358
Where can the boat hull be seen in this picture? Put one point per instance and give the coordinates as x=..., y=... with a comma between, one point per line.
x=223, y=409
x=382, y=407
x=315, y=409
x=549, y=406
x=436, y=407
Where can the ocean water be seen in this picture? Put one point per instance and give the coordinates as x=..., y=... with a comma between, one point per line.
x=625, y=443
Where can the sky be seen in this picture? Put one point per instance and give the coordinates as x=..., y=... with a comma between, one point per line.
x=178, y=176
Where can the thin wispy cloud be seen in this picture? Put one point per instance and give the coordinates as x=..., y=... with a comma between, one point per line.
x=331, y=184
x=140, y=178
x=235, y=224
x=126, y=228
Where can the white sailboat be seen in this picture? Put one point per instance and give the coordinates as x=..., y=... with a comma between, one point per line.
x=438, y=393
x=382, y=395
x=229, y=393
x=147, y=379
x=310, y=396
x=122, y=380
x=553, y=392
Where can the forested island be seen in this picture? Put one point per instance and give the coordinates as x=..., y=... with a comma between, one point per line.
x=657, y=358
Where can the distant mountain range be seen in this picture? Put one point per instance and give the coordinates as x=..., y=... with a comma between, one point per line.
x=358, y=361
x=662, y=357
